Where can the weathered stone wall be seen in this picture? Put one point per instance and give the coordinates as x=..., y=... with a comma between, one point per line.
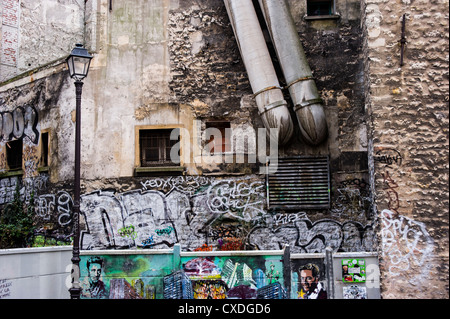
x=35, y=33
x=175, y=62
x=170, y=63
x=408, y=110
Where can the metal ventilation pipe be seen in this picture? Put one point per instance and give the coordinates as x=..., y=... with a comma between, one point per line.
x=308, y=105
x=261, y=72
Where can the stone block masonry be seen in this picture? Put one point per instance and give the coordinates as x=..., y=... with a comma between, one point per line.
x=408, y=107
x=205, y=61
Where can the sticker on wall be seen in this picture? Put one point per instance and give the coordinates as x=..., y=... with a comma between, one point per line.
x=355, y=292
x=353, y=270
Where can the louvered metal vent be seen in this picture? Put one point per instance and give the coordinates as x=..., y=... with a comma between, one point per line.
x=299, y=183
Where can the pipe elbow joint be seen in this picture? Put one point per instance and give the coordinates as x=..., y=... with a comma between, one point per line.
x=277, y=120
x=313, y=123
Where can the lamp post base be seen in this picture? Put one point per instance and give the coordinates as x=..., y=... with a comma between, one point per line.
x=75, y=293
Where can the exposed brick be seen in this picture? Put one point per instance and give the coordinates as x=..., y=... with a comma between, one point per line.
x=10, y=14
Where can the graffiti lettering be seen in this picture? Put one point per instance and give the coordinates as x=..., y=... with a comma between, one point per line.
x=224, y=231
x=7, y=189
x=19, y=123
x=51, y=205
x=26, y=187
x=159, y=218
x=406, y=243
x=185, y=184
x=242, y=200
x=355, y=182
x=283, y=219
x=5, y=288
x=390, y=186
x=388, y=157
x=166, y=231
x=306, y=237
x=31, y=161
x=148, y=242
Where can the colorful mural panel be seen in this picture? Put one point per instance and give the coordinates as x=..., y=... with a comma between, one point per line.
x=150, y=276
x=232, y=277
x=308, y=279
x=124, y=276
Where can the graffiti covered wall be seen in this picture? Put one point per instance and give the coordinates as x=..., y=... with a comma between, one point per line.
x=199, y=213
x=189, y=211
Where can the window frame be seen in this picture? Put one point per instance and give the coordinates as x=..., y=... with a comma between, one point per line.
x=44, y=150
x=8, y=149
x=331, y=15
x=225, y=144
x=160, y=166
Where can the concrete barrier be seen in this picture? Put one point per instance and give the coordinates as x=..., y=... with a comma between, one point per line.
x=35, y=273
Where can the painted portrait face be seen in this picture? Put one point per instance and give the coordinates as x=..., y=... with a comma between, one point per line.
x=95, y=271
x=308, y=281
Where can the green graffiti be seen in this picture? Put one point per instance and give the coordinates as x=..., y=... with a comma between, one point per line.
x=128, y=232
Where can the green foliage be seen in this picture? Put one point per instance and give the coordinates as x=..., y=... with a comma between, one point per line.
x=42, y=241
x=16, y=223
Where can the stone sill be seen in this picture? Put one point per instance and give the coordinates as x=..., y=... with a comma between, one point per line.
x=139, y=171
x=11, y=173
x=324, y=17
x=43, y=169
x=19, y=172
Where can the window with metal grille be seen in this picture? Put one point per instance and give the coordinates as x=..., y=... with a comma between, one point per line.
x=299, y=183
x=320, y=7
x=155, y=147
x=14, y=151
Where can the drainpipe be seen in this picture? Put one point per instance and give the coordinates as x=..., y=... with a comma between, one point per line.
x=302, y=87
x=261, y=72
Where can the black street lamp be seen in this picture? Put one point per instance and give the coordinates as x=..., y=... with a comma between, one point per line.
x=78, y=63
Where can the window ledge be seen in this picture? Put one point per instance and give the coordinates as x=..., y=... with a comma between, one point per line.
x=324, y=17
x=43, y=169
x=159, y=169
x=230, y=153
x=11, y=173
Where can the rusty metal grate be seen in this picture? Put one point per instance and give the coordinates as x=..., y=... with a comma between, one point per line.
x=299, y=183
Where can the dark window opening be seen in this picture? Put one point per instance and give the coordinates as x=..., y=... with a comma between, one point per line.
x=44, y=149
x=219, y=145
x=320, y=7
x=156, y=147
x=14, y=154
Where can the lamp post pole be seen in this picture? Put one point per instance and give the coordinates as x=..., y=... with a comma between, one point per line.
x=78, y=64
x=75, y=291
